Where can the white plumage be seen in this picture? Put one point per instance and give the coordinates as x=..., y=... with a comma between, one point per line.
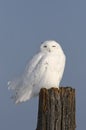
x=44, y=70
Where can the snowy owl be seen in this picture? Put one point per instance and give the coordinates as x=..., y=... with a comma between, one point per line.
x=44, y=70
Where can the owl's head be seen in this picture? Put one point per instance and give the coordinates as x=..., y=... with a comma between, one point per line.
x=50, y=46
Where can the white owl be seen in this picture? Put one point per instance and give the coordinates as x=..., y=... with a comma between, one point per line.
x=44, y=70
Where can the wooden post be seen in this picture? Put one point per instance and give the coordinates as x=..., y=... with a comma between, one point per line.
x=56, y=109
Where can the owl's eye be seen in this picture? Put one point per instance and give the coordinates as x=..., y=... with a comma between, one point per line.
x=45, y=46
x=53, y=46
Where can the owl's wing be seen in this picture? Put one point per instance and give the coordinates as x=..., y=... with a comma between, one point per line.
x=35, y=70
x=32, y=64
x=28, y=85
x=22, y=86
x=28, y=70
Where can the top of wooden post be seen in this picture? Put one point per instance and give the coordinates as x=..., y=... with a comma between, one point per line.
x=56, y=109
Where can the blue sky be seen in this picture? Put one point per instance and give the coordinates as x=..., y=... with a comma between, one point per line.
x=23, y=26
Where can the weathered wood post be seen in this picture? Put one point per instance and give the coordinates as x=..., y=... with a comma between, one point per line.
x=56, y=109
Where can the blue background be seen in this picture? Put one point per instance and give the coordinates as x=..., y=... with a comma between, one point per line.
x=24, y=24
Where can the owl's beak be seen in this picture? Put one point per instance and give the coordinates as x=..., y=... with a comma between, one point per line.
x=49, y=50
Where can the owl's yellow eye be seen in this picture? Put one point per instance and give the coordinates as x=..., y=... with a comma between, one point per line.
x=45, y=46
x=53, y=46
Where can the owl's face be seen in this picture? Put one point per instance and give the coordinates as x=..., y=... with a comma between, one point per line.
x=50, y=46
